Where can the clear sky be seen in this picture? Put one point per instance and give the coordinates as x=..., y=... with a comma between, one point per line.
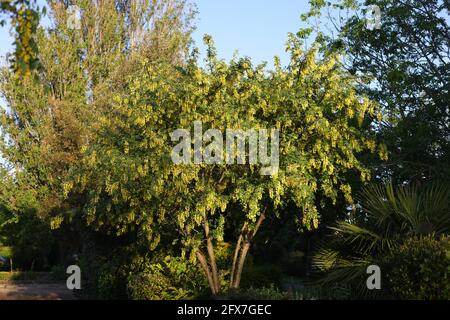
x=256, y=28
x=5, y=40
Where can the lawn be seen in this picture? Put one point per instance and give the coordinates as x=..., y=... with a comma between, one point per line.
x=38, y=277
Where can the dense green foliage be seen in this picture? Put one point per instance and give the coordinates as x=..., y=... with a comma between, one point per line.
x=48, y=117
x=21, y=228
x=385, y=233
x=420, y=269
x=170, y=279
x=406, y=65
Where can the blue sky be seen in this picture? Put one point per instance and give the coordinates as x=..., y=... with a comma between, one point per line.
x=256, y=28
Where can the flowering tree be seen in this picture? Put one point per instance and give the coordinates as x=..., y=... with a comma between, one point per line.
x=132, y=182
x=24, y=17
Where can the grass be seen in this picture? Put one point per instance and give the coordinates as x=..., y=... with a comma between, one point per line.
x=26, y=276
x=14, y=276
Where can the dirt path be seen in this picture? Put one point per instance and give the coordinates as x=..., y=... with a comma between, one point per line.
x=34, y=291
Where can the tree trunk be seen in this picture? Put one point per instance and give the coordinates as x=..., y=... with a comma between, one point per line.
x=212, y=257
x=201, y=258
x=237, y=250
x=236, y=256
x=214, y=271
x=240, y=253
x=240, y=266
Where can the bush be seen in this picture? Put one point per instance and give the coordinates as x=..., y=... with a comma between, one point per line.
x=30, y=239
x=273, y=293
x=173, y=279
x=263, y=276
x=420, y=269
x=154, y=286
x=264, y=293
x=113, y=274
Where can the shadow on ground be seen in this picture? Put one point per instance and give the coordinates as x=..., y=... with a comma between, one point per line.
x=35, y=291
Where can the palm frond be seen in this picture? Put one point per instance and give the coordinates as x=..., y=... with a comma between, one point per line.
x=391, y=215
